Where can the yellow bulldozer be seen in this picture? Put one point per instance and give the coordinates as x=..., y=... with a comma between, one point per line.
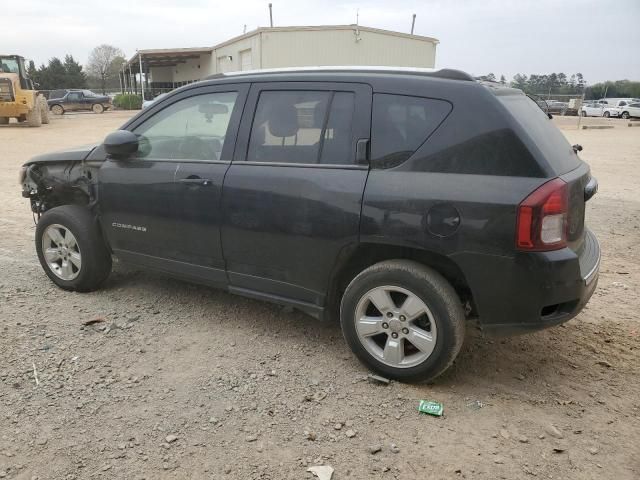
x=18, y=97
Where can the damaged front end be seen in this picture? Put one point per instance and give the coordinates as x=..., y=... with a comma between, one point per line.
x=48, y=181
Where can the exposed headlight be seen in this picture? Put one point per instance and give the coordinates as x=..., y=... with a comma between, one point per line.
x=22, y=174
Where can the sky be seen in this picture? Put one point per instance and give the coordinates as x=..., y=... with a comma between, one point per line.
x=598, y=38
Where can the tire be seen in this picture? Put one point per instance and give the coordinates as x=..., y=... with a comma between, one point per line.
x=625, y=115
x=584, y=114
x=97, y=108
x=57, y=110
x=34, y=117
x=440, y=327
x=4, y=120
x=92, y=263
x=44, y=110
x=606, y=115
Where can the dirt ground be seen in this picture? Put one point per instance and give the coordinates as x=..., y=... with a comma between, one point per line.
x=182, y=381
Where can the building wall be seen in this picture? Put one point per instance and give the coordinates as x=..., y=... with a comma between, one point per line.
x=300, y=48
x=344, y=47
x=161, y=74
x=222, y=61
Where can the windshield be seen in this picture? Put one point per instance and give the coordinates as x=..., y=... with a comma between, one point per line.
x=9, y=65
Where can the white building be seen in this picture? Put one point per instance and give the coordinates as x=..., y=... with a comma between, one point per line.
x=281, y=47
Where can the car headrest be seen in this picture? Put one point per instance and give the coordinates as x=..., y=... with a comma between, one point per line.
x=283, y=120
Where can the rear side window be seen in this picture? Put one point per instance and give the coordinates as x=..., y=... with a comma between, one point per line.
x=306, y=127
x=401, y=124
x=547, y=137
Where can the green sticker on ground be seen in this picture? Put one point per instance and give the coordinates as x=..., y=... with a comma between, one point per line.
x=432, y=408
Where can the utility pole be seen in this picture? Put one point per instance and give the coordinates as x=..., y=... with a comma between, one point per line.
x=413, y=23
x=141, y=83
x=271, y=15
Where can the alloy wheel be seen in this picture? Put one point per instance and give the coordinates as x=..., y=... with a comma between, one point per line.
x=61, y=252
x=395, y=326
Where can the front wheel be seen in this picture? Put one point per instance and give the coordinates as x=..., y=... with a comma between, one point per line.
x=584, y=114
x=403, y=320
x=625, y=115
x=57, y=109
x=606, y=115
x=71, y=249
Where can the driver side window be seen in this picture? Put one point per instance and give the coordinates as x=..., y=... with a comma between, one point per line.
x=193, y=128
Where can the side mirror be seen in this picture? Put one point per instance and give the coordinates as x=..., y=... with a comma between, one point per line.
x=121, y=144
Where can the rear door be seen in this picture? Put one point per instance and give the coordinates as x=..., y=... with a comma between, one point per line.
x=292, y=196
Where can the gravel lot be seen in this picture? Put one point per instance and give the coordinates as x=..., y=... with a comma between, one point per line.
x=181, y=381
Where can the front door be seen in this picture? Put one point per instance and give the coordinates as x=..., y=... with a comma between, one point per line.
x=73, y=101
x=292, y=196
x=161, y=208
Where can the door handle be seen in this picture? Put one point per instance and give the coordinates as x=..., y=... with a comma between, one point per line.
x=362, y=151
x=205, y=182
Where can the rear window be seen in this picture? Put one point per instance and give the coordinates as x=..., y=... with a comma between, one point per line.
x=401, y=124
x=547, y=137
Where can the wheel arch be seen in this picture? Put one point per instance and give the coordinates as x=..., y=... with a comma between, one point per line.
x=354, y=259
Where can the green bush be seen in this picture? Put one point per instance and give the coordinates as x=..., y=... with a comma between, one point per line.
x=128, y=101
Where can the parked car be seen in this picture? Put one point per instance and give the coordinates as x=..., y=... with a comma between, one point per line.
x=76, y=100
x=151, y=101
x=557, y=107
x=618, y=102
x=400, y=201
x=594, y=109
x=631, y=110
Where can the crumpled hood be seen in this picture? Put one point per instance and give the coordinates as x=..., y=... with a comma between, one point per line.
x=71, y=154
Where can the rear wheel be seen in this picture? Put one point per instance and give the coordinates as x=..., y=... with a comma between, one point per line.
x=44, y=110
x=606, y=115
x=97, y=108
x=57, y=110
x=71, y=249
x=584, y=114
x=34, y=117
x=625, y=115
x=403, y=320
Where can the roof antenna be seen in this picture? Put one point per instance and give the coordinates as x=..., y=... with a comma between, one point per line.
x=244, y=30
x=357, y=16
x=271, y=15
x=413, y=23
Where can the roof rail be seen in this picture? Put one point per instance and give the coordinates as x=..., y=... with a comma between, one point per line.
x=448, y=73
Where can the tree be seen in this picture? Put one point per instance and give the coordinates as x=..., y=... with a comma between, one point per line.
x=503, y=80
x=75, y=77
x=487, y=78
x=519, y=81
x=101, y=63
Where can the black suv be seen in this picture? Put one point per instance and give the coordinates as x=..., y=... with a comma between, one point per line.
x=402, y=202
x=61, y=101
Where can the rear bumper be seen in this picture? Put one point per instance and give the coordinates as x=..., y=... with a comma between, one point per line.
x=532, y=291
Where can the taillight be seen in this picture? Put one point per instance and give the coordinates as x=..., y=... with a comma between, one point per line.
x=542, y=218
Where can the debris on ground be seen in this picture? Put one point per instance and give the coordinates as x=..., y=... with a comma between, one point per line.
x=378, y=379
x=373, y=449
x=430, y=407
x=323, y=472
x=476, y=405
x=93, y=321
